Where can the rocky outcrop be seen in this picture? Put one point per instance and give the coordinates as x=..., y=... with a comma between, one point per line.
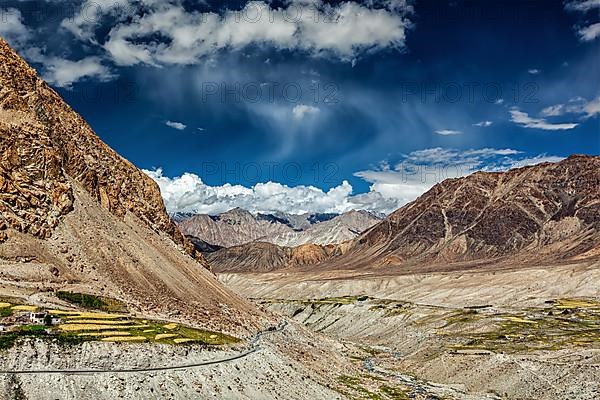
x=45, y=145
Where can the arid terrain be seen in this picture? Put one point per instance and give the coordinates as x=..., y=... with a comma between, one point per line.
x=488, y=282
x=102, y=297
x=485, y=287
x=526, y=333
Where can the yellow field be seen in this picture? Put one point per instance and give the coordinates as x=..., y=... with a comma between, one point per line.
x=62, y=312
x=24, y=308
x=182, y=340
x=124, y=339
x=170, y=326
x=106, y=333
x=4, y=305
x=520, y=320
x=93, y=327
x=164, y=336
x=92, y=315
x=95, y=321
x=569, y=303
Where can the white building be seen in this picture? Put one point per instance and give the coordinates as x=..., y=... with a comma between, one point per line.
x=39, y=318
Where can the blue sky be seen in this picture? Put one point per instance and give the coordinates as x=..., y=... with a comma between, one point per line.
x=312, y=106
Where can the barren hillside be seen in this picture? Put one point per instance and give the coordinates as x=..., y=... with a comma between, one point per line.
x=75, y=215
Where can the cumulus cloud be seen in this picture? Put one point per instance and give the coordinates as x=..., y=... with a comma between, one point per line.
x=163, y=32
x=188, y=193
x=301, y=110
x=391, y=187
x=589, y=33
x=534, y=71
x=63, y=73
x=448, y=132
x=12, y=28
x=484, y=124
x=57, y=71
x=176, y=125
x=523, y=119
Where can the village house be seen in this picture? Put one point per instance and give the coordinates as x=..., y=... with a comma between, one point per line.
x=42, y=318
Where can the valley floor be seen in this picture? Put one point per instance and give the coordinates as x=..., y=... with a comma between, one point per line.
x=514, y=334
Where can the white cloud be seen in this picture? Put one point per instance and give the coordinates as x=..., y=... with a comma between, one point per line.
x=163, y=32
x=448, y=132
x=578, y=105
x=590, y=32
x=523, y=119
x=12, y=28
x=302, y=110
x=534, y=71
x=484, y=124
x=57, y=71
x=63, y=73
x=583, y=5
x=176, y=125
x=592, y=108
x=188, y=193
x=499, y=101
x=390, y=188
x=554, y=111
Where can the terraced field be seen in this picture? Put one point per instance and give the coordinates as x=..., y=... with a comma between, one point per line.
x=77, y=326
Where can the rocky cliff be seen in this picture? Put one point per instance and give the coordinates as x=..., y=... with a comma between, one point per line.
x=76, y=216
x=45, y=145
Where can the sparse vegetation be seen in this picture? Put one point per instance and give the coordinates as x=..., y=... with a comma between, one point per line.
x=90, y=301
x=564, y=324
x=370, y=388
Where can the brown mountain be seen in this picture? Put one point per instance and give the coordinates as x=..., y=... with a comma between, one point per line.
x=231, y=228
x=266, y=257
x=238, y=227
x=546, y=213
x=74, y=215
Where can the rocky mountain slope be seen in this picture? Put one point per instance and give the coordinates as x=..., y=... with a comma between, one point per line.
x=238, y=227
x=339, y=229
x=544, y=213
x=231, y=228
x=75, y=215
x=266, y=257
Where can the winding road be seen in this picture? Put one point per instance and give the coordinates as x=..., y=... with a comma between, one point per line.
x=253, y=343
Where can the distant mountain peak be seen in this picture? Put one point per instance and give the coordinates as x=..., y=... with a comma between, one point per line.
x=238, y=226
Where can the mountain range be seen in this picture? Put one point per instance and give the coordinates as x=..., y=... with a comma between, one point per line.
x=546, y=213
x=238, y=227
